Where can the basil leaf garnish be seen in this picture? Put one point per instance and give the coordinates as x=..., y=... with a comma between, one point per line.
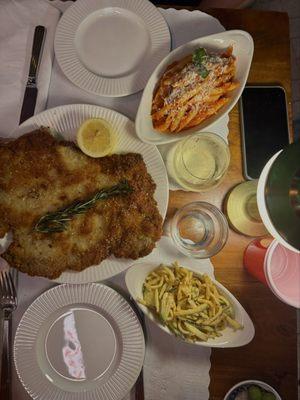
x=199, y=58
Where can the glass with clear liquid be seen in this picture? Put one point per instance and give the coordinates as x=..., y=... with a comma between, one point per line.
x=199, y=162
x=199, y=230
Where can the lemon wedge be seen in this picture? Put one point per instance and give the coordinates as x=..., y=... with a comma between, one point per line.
x=95, y=137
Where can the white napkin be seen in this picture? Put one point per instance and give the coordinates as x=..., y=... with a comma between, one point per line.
x=18, y=19
x=173, y=370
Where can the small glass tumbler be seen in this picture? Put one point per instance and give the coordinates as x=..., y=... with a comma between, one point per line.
x=199, y=230
x=199, y=162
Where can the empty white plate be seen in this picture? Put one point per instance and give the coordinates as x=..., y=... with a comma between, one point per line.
x=242, y=44
x=111, y=47
x=79, y=342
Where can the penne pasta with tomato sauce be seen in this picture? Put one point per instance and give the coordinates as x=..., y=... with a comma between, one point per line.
x=193, y=89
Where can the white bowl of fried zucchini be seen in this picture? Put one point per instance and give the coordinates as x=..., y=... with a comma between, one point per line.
x=191, y=306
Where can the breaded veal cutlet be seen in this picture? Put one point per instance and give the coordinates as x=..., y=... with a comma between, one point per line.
x=40, y=174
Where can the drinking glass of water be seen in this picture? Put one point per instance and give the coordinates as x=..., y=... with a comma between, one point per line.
x=199, y=230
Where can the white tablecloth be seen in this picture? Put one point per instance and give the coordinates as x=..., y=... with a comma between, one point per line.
x=173, y=370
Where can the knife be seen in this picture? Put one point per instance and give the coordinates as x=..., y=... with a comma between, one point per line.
x=31, y=90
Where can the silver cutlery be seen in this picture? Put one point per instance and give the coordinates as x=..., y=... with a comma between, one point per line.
x=31, y=90
x=8, y=303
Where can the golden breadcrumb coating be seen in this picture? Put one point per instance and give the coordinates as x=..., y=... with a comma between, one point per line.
x=40, y=174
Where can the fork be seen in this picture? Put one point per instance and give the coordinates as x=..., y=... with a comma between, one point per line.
x=8, y=303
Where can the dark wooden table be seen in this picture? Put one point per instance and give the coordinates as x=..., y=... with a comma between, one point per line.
x=272, y=355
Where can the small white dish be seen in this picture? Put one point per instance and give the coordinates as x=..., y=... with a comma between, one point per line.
x=111, y=48
x=261, y=203
x=243, y=47
x=135, y=278
x=79, y=342
x=232, y=393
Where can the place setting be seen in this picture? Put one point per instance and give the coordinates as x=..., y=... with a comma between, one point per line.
x=108, y=290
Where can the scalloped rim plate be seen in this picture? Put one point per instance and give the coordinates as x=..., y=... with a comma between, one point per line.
x=81, y=22
x=66, y=120
x=32, y=347
x=243, y=50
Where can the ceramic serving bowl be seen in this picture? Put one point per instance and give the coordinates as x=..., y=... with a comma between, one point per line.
x=135, y=278
x=243, y=47
x=241, y=386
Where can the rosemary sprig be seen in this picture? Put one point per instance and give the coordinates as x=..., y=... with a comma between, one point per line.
x=57, y=221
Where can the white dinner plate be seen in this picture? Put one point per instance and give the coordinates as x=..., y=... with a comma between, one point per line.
x=243, y=47
x=110, y=48
x=66, y=120
x=79, y=342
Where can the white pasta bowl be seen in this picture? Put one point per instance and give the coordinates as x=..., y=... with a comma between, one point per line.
x=243, y=47
x=135, y=278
